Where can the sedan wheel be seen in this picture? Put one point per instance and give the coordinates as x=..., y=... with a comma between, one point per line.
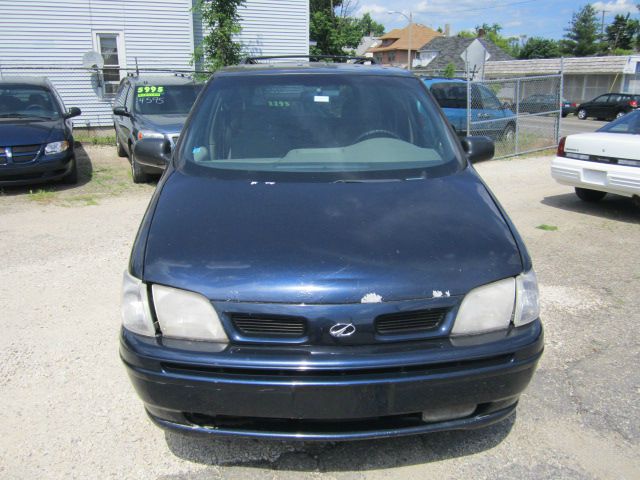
x=620, y=114
x=582, y=114
x=138, y=175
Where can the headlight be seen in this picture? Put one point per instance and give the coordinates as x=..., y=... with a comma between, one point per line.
x=56, y=147
x=527, y=299
x=136, y=315
x=149, y=134
x=494, y=306
x=188, y=315
x=486, y=308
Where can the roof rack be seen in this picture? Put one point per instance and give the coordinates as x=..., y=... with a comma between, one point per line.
x=357, y=60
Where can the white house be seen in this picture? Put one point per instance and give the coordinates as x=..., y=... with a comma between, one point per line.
x=51, y=38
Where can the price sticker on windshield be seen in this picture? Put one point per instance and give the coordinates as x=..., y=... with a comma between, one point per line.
x=150, y=91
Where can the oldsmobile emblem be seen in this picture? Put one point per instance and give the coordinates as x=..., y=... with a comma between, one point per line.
x=340, y=330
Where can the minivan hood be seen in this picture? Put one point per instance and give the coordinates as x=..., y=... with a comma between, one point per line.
x=21, y=132
x=237, y=240
x=165, y=123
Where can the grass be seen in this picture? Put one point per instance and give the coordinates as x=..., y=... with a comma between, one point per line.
x=547, y=228
x=42, y=196
x=109, y=140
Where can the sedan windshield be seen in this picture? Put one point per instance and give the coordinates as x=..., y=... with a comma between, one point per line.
x=630, y=123
x=165, y=99
x=318, y=123
x=27, y=101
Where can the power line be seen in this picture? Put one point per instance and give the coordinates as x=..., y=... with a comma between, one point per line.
x=478, y=9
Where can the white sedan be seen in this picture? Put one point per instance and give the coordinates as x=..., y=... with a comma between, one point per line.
x=606, y=161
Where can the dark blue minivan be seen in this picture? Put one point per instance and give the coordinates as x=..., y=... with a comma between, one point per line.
x=320, y=261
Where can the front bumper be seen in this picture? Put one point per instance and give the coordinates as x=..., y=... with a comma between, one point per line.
x=320, y=393
x=618, y=179
x=42, y=169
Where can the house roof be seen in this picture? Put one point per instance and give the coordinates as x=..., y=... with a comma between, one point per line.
x=450, y=49
x=420, y=35
x=571, y=65
x=367, y=43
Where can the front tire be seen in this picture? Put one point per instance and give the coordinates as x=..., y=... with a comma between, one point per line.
x=620, y=114
x=582, y=114
x=71, y=178
x=121, y=151
x=588, y=195
x=509, y=134
x=138, y=175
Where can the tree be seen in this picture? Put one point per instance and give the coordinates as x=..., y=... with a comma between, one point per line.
x=222, y=22
x=335, y=30
x=449, y=70
x=369, y=26
x=537, y=47
x=582, y=34
x=621, y=32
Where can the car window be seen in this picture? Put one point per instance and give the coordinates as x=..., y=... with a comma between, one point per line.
x=327, y=123
x=450, y=94
x=602, y=99
x=165, y=99
x=28, y=101
x=489, y=100
x=628, y=124
x=616, y=98
x=119, y=100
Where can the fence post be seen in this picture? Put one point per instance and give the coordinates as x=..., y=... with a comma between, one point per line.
x=559, y=126
x=517, y=145
x=468, y=104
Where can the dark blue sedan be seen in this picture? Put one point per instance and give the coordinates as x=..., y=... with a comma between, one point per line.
x=36, y=140
x=320, y=261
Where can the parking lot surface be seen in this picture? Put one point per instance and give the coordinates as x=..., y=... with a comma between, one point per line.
x=68, y=410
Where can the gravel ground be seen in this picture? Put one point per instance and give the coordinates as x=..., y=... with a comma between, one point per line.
x=68, y=410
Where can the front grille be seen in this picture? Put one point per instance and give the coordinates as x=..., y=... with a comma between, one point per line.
x=409, y=322
x=20, y=154
x=263, y=326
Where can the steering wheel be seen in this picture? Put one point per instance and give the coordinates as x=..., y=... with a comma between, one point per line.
x=376, y=132
x=34, y=107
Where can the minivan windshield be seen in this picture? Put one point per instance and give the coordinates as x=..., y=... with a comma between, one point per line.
x=318, y=123
x=165, y=99
x=27, y=101
x=630, y=123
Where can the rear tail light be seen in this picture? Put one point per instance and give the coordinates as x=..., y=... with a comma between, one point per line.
x=633, y=104
x=560, y=152
x=574, y=104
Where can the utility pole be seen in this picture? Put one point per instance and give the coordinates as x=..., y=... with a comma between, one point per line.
x=410, y=19
x=602, y=29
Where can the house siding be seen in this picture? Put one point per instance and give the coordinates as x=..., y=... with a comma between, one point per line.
x=275, y=28
x=53, y=36
x=56, y=34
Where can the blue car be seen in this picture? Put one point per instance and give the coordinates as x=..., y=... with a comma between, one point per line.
x=488, y=116
x=320, y=261
x=36, y=134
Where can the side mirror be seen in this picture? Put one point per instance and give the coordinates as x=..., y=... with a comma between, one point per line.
x=121, y=111
x=478, y=148
x=152, y=150
x=73, y=112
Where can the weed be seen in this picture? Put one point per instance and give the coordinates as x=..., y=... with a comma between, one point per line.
x=547, y=228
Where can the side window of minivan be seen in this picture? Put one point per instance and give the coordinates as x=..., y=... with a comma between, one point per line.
x=120, y=96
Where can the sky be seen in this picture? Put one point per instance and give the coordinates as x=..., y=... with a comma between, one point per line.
x=519, y=18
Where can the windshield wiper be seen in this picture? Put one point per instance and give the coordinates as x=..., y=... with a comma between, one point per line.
x=22, y=115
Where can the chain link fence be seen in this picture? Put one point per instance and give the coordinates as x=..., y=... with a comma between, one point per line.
x=521, y=115
x=91, y=89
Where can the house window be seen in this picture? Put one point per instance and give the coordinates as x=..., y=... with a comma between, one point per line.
x=110, y=47
x=391, y=56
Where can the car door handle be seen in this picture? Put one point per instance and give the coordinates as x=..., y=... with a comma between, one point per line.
x=484, y=115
